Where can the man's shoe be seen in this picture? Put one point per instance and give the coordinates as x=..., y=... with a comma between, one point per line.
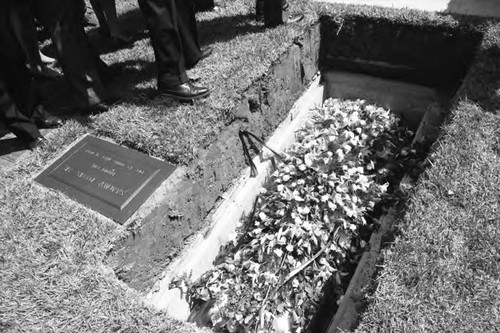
x=37, y=143
x=94, y=109
x=44, y=119
x=184, y=92
x=43, y=72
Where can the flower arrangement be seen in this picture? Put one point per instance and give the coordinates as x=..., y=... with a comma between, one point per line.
x=306, y=221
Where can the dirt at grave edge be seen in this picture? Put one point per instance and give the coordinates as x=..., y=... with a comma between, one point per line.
x=141, y=257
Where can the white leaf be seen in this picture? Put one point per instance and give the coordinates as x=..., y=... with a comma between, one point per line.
x=308, y=160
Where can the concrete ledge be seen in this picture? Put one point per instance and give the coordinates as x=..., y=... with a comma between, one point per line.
x=156, y=237
x=347, y=314
x=238, y=202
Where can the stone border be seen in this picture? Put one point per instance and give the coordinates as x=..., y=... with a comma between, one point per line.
x=238, y=201
x=353, y=301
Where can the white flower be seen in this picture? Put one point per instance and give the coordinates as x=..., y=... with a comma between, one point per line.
x=282, y=323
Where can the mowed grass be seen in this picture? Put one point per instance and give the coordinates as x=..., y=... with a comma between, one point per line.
x=52, y=272
x=243, y=51
x=442, y=274
x=53, y=275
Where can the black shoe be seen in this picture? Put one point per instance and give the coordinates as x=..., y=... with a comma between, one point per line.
x=43, y=72
x=37, y=143
x=43, y=119
x=184, y=92
x=94, y=109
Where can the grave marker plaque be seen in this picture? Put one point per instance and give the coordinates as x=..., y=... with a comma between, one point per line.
x=106, y=177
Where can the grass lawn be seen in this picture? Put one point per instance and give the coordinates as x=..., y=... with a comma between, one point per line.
x=53, y=276
x=442, y=274
x=243, y=50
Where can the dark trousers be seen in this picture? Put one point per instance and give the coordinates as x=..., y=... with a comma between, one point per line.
x=64, y=20
x=174, y=36
x=22, y=23
x=20, y=124
x=16, y=85
x=273, y=11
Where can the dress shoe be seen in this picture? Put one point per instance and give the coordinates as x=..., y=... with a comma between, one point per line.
x=43, y=72
x=44, y=119
x=37, y=143
x=94, y=109
x=184, y=92
x=97, y=104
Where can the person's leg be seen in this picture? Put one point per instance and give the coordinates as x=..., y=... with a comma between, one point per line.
x=276, y=12
x=105, y=11
x=21, y=20
x=63, y=18
x=188, y=32
x=203, y=5
x=99, y=13
x=15, y=83
x=162, y=19
x=13, y=70
x=17, y=122
x=162, y=22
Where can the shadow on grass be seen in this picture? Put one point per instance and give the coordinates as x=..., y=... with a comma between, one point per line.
x=482, y=86
x=220, y=29
x=133, y=72
x=10, y=146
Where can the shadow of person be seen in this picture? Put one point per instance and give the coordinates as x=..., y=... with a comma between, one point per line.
x=488, y=8
x=57, y=96
x=220, y=29
x=9, y=146
x=132, y=72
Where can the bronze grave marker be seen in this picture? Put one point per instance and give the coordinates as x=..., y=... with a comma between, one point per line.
x=106, y=177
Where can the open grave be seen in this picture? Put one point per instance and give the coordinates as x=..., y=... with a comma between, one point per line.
x=397, y=64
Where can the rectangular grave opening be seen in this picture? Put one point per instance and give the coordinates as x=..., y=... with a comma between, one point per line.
x=412, y=70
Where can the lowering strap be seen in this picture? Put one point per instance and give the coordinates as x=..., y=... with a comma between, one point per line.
x=249, y=142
